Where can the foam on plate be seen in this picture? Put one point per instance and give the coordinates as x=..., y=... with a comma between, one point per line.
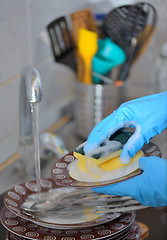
x=85, y=215
x=74, y=218
x=58, y=195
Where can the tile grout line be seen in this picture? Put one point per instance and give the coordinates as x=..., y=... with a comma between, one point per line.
x=6, y=137
x=19, y=74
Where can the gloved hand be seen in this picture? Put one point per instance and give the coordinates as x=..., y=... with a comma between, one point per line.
x=149, y=188
x=147, y=114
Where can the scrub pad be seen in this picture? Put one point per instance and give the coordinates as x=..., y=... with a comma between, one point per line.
x=104, y=162
x=106, y=156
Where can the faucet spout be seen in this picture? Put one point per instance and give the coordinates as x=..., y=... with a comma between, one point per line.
x=33, y=84
x=30, y=92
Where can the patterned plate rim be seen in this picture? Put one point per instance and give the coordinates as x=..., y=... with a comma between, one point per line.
x=60, y=173
x=15, y=197
x=27, y=229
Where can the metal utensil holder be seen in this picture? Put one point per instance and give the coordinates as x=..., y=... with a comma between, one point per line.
x=93, y=103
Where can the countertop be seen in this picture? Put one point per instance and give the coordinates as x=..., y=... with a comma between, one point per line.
x=155, y=218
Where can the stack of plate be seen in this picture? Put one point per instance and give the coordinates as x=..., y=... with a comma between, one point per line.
x=21, y=226
x=79, y=225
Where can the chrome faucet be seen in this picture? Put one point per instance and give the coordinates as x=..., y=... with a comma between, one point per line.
x=30, y=92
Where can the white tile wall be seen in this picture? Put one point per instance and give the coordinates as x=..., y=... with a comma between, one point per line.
x=9, y=107
x=24, y=40
x=13, y=38
x=58, y=89
x=9, y=100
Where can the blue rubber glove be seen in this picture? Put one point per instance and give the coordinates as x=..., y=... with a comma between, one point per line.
x=147, y=114
x=149, y=188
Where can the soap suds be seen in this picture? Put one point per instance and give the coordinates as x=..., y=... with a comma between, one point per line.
x=57, y=195
x=74, y=218
x=108, y=148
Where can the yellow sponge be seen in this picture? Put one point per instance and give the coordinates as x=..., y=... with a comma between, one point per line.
x=111, y=164
x=107, y=156
x=82, y=164
x=115, y=163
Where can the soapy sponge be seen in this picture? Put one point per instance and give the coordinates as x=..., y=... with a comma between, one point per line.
x=106, y=156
